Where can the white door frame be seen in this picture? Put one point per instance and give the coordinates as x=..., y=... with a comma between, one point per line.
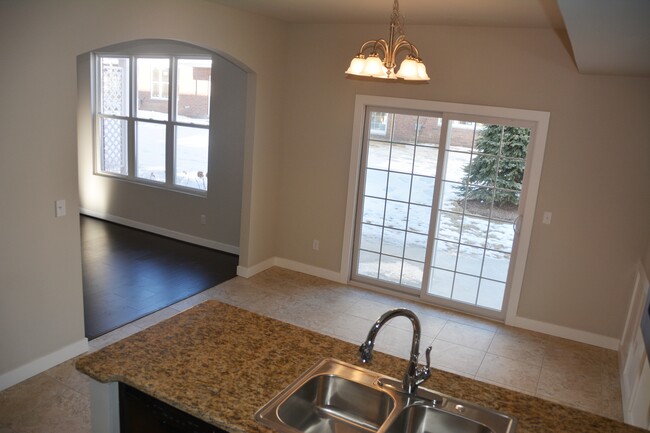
x=529, y=198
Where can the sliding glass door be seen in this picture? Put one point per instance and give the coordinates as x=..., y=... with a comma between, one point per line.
x=439, y=204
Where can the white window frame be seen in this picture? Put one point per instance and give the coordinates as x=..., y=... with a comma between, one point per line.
x=533, y=173
x=132, y=117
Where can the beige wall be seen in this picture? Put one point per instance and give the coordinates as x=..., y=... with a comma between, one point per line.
x=41, y=307
x=646, y=260
x=595, y=180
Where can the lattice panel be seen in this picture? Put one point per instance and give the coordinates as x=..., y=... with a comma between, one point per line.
x=113, y=89
x=114, y=131
x=114, y=141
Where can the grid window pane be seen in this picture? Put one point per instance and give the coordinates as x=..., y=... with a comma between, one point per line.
x=378, y=152
x=474, y=231
x=376, y=183
x=470, y=260
x=401, y=158
x=496, y=266
x=419, y=217
x=500, y=236
x=396, y=214
x=192, y=157
x=416, y=247
x=442, y=283
x=114, y=86
x=153, y=88
x=114, y=146
x=368, y=264
x=393, y=242
x=422, y=190
x=412, y=274
x=405, y=128
x=371, y=237
x=448, y=224
x=426, y=161
x=390, y=269
x=399, y=186
x=490, y=294
x=193, y=90
x=445, y=255
x=465, y=288
x=455, y=167
x=373, y=211
x=150, y=151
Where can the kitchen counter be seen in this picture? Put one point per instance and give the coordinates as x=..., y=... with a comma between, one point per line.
x=221, y=364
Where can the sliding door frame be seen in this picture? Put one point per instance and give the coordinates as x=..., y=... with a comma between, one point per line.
x=539, y=119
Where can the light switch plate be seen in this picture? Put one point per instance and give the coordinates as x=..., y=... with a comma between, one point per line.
x=60, y=208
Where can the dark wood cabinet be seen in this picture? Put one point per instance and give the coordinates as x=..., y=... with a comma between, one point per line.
x=141, y=413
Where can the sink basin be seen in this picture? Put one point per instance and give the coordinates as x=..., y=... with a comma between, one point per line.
x=331, y=397
x=328, y=404
x=336, y=397
x=421, y=419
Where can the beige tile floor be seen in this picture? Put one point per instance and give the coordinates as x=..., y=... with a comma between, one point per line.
x=571, y=373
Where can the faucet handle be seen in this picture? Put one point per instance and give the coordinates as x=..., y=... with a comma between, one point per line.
x=424, y=372
x=427, y=355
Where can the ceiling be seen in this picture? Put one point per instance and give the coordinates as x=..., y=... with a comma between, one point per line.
x=607, y=36
x=501, y=13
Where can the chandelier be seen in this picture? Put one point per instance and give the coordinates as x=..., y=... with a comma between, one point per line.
x=380, y=63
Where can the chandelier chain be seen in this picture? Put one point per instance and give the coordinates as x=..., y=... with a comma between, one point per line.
x=397, y=19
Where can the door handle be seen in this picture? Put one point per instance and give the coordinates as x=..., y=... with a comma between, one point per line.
x=515, y=224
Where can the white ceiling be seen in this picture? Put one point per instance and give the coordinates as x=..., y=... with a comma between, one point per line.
x=607, y=36
x=501, y=13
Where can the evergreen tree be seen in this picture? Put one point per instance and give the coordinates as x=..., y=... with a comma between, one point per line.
x=502, y=148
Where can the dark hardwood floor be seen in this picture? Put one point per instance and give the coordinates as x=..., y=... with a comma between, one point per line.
x=129, y=273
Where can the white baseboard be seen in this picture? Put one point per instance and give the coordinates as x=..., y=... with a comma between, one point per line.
x=520, y=322
x=292, y=265
x=310, y=270
x=248, y=272
x=163, y=232
x=568, y=333
x=43, y=363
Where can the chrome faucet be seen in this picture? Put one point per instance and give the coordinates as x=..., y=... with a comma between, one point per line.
x=414, y=375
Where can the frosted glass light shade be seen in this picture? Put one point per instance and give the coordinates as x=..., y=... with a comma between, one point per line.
x=422, y=71
x=408, y=70
x=373, y=67
x=357, y=65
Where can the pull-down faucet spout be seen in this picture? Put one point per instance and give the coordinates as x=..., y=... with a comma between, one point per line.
x=414, y=375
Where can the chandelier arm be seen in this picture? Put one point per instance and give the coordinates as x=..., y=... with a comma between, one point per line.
x=403, y=43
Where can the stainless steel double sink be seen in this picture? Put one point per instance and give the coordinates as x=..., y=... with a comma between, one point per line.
x=337, y=397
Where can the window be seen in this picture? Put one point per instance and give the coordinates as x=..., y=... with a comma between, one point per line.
x=152, y=116
x=443, y=209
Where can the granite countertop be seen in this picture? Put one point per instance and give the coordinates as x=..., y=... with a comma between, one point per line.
x=221, y=364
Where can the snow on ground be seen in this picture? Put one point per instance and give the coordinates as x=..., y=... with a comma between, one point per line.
x=476, y=247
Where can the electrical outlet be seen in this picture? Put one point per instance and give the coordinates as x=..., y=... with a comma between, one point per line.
x=203, y=219
x=547, y=218
x=315, y=244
